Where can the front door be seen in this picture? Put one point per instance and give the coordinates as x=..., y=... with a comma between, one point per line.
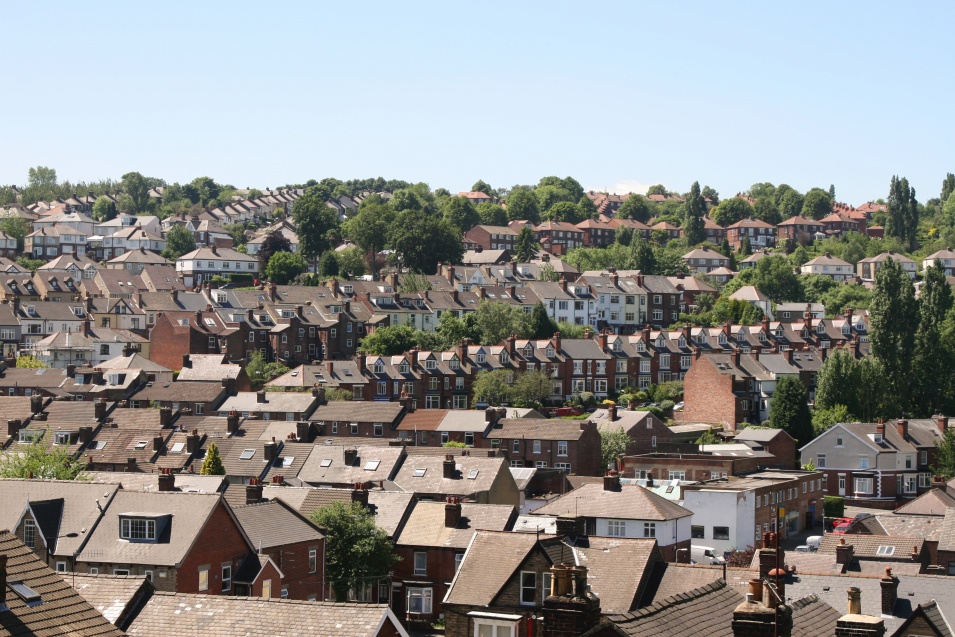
x=842, y=484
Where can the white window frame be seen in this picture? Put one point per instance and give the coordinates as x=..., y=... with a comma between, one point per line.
x=532, y=588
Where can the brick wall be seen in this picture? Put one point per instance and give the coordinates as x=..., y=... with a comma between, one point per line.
x=218, y=542
x=709, y=395
x=697, y=467
x=292, y=559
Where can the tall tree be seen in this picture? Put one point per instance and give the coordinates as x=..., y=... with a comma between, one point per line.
x=522, y=206
x=212, y=463
x=285, y=266
x=460, y=213
x=816, y=204
x=789, y=409
x=179, y=241
x=314, y=220
x=492, y=214
x=541, y=325
x=931, y=393
x=944, y=465
x=273, y=243
x=948, y=187
x=497, y=321
x=731, y=210
x=423, y=241
x=902, y=212
x=136, y=188
x=104, y=209
x=637, y=208
x=693, y=210
x=491, y=387
x=837, y=382
x=642, y=256
x=481, y=186
x=388, y=341
x=894, y=313
x=369, y=229
x=532, y=388
x=357, y=552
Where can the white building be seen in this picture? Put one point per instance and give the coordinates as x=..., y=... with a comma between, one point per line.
x=205, y=263
x=830, y=266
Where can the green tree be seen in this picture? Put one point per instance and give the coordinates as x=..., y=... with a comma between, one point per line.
x=522, y=206
x=314, y=222
x=564, y=211
x=837, y=382
x=931, y=393
x=491, y=214
x=212, y=463
x=765, y=209
x=136, y=188
x=731, y=210
x=789, y=410
x=586, y=209
x=637, y=208
x=452, y=330
x=788, y=201
x=459, y=212
x=179, y=241
x=273, y=243
x=532, y=388
x=948, y=187
x=285, y=266
x=902, y=212
x=328, y=264
x=15, y=227
x=237, y=232
x=413, y=282
x=104, y=209
x=491, y=387
x=351, y=261
x=481, y=186
x=712, y=195
x=693, y=210
x=357, y=553
x=776, y=279
x=261, y=372
x=526, y=247
x=944, y=465
x=541, y=326
x=369, y=228
x=496, y=321
x=824, y=419
x=642, y=256
x=36, y=460
x=657, y=189
x=204, y=191
x=613, y=444
x=30, y=362
x=41, y=185
x=547, y=272
x=894, y=313
x=388, y=341
x=423, y=241
x=816, y=204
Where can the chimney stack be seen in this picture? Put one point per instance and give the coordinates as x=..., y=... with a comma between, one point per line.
x=903, y=426
x=571, y=609
x=270, y=450
x=754, y=619
x=303, y=431
x=130, y=464
x=612, y=481
x=13, y=427
x=86, y=434
x=359, y=494
x=253, y=491
x=260, y=397
x=157, y=443
x=890, y=593
x=571, y=526
x=185, y=361
x=165, y=416
x=843, y=552
x=941, y=422
x=612, y=413
x=350, y=456
x=167, y=480
x=452, y=512
x=448, y=467
x=232, y=422
x=880, y=428
x=192, y=441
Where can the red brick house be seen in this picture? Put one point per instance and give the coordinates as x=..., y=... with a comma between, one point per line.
x=294, y=544
x=570, y=445
x=182, y=542
x=431, y=547
x=490, y=238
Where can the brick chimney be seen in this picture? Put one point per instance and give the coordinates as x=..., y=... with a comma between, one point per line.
x=13, y=427
x=752, y=618
x=86, y=434
x=359, y=494
x=490, y=416
x=843, y=552
x=130, y=464
x=253, y=491
x=192, y=441
x=270, y=450
x=167, y=480
x=941, y=422
x=232, y=422
x=880, y=428
x=99, y=409
x=854, y=623
x=185, y=361
x=612, y=413
x=350, y=456
x=890, y=592
x=572, y=609
x=571, y=526
x=157, y=443
x=903, y=426
x=303, y=431
x=319, y=393
x=602, y=341
x=165, y=416
x=452, y=512
x=448, y=467
x=260, y=397
x=612, y=481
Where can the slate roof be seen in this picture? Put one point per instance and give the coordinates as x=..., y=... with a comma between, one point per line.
x=183, y=615
x=271, y=524
x=539, y=428
x=149, y=482
x=630, y=503
x=62, y=611
x=390, y=508
x=491, y=559
x=180, y=391
x=932, y=502
x=866, y=546
x=946, y=540
x=186, y=515
x=426, y=526
x=902, y=525
x=337, y=472
x=707, y=610
x=275, y=402
x=433, y=480
x=358, y=411
x=208, y=367
x=616, y=569
x=114, y=596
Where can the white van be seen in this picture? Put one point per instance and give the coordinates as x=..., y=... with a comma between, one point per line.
x=813, y=542
x=705, y=555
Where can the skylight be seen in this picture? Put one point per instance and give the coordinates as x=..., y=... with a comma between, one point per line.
x=473, y=474
x=287, y=461
x=141, y=444
x=419, y=473
x=372, y=465
x=178, y=447
x=27, y=594
x=885, y=550
x=327, y=462
x=247, y=454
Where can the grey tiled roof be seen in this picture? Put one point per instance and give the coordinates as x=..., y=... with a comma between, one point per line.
x=426, y=525
x=491, y=559
x=270, y=524
x=182, y=615
x=114, y=596
x=630, y=503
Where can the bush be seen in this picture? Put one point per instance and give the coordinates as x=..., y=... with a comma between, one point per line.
x=834, y=506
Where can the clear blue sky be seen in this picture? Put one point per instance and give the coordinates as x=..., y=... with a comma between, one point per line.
x=619, y=95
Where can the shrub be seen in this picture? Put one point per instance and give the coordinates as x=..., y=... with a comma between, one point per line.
x=834, y=506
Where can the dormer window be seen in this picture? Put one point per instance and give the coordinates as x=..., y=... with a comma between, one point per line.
x=61, y=438
x=721, y=339
x=549, y=352
x=455, y=363
x=136, y=529
x=529, y=351
x=641, y=347
x=379, y=367
x=480, y=358
x=505, y=358
x=661, y=342
x=681, y=343
x=821, y=329
x=29, y=435
x=430, y=364
x=779, y=332
x=404, y=368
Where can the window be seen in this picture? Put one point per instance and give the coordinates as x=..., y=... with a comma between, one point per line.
x=863, y=462
x=203, y=578
x=677, y=475
x=137, y=529
x=29, y=533
x=266, y=588
x=528, y=588
x=458, y=558
x=863, y=485
x=653, y=442
x=537, y=446
x=885, y=550
x=617, y=528
x=517, y=446
x=925, y=480
x=312, y=560
x=839, y=441
x=821, y=461
x=226, y=577
x=492, y=628
x=721, y=533
x=649, y=529
x=561, y=447
x=420, y=563
x=354, y=429
x=910, y=481
x=379, y=429
x=696, y=532
x=419, y=600
x=923, y=457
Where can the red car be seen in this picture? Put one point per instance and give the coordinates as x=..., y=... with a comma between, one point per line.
x=841, y=525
